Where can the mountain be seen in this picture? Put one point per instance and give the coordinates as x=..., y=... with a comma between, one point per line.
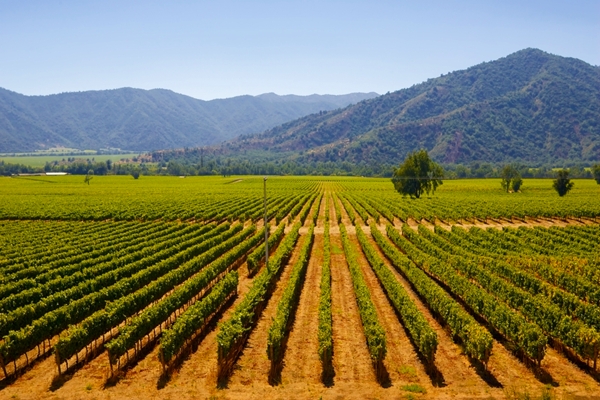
x=136, y=119
x=530, y=106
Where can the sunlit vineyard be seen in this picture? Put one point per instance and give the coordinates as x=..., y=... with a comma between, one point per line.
x=158, y=288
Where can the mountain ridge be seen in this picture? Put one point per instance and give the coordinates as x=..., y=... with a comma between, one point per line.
x=137, y=119
x=530, y=106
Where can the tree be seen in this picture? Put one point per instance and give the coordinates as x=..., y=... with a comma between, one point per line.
x=596, y=173
x=418, y=174
x=517, y=183
x=135, y=173
x=511, y=179
x=562, y=184
x=89, y=176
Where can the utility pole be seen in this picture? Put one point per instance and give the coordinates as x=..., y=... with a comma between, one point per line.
x=266, y=224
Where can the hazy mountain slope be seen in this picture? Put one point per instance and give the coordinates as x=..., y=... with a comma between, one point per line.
x=145, y=119
x=529, y=106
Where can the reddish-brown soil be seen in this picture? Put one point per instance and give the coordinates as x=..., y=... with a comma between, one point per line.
x=301, y=361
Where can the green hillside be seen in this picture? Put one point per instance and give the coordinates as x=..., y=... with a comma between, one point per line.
x=530, y=106
x=136, y=119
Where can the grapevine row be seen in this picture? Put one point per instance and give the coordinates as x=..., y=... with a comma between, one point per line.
x=374, y=332
x=195, y=318
x=325, y=330
x=476, y=341
x=145, y=322
x=526, y=336
x=234, y=332
x=279, y=330
x=78, y=337
x=118, y=270
x=419, y=329
x=258, y=254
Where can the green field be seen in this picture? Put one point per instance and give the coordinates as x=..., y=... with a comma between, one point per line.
x=40, y=161
x=152, y=197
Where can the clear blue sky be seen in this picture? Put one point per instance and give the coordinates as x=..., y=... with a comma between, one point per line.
x=217, y=49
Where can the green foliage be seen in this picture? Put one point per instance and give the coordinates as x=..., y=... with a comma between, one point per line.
x=195, y=317
x=414, y=388
x=89, y=176
x=561, y=315
x=477, y=342
x=525, y=335
x=136, y=293
x=596, y=173
x=142, y=324
x=511, y=179
x=258, y=254
x=562, y=184
x=417, y=175
x=80, y=265
x=325, y=330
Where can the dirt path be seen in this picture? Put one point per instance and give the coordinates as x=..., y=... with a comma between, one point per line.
x=401, y=355
x=301, y=361
x=500, y=223
x=252, y=369
x=351, y=360
x=458, y=375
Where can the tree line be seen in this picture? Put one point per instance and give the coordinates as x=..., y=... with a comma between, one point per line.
x=227, y=167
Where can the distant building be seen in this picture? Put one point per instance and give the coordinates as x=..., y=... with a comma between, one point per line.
x=44, y=174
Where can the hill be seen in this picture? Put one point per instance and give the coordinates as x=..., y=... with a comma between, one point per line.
x=136, y=119
x=530, y=106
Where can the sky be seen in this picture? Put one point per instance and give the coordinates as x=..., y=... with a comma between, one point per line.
x=219, y=49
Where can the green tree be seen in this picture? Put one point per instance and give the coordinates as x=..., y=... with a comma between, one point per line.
x=596, y=173
x=517, y=183
x=562, y=184
x=89, y=176
x=417, y=175
x=511, y=179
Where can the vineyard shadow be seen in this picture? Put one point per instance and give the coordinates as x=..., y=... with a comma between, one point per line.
x=540, y=373
x=18, y=371
x=186, y=353
x=131, y=362
x=485, y=374
x=328, y=375
x=60, y=379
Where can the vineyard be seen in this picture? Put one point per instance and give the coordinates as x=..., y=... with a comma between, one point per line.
x=158, y=288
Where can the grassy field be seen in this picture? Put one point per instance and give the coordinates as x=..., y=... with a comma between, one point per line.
x=40, y=161
x=471, y=293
